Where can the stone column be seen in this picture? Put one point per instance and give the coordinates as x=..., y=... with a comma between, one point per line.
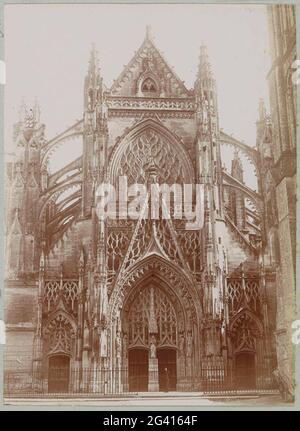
x=181, y=363
x=118, y=344
x=79, y=338
x=189, y=363
x=153, y=382
x=38, y=340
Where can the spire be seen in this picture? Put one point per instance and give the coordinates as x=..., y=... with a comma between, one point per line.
x=93, y=82
x=205, y=75
x=26, y=116
x=261, y=110
x=92, y=60
x=203, y=58
x=148, y=33
x=206, y=99
x=42, y=260
x=93, y=76
x=36, y=111
x=263, y=129
x=22, y=111
x=237, y=166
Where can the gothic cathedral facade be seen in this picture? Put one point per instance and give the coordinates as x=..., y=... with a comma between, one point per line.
x=129, y=304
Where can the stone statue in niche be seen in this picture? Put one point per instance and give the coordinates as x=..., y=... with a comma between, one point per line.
x=223, y=333
x=180, y=324
x=124, y=350
x=118, y=345
x=181, y=344
x=189, y=345
x=153, y=348
x=103, y=343
x=86, y=335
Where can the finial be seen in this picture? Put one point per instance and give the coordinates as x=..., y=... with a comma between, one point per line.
x=148, y=32
x=261, y=109
x=42, y=260
x=92, y=54
x=29, y=115
x=93, y=61
x=81, y=257
x=236, y=154
x=203, y=50
x=204, y=69
x=203, y=57
x=36, y=110
x=22, y=110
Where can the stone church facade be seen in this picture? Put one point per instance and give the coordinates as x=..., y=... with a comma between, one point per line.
x=281, y=185
x=111, y=305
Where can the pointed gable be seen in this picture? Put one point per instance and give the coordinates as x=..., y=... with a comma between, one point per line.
x=148, y=75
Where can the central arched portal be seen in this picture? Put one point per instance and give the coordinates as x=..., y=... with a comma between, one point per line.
x=151, y=325
x=157, y=352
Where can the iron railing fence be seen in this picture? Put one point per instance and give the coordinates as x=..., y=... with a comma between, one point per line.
x=216, y=379
x=120, y=382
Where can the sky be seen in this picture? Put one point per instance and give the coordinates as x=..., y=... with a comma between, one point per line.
x=47, y=49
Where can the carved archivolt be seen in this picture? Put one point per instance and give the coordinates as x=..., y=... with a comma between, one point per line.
x=177, y=282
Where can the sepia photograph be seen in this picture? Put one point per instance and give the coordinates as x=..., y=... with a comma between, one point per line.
x=150, y=205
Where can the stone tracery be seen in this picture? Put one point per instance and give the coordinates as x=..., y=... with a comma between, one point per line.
x=137, y=322
x=59, y=335
x=150, y=145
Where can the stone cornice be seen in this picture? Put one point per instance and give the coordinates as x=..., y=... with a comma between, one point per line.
x=128, y=106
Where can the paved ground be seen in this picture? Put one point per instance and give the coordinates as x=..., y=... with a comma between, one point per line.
x=157, y=401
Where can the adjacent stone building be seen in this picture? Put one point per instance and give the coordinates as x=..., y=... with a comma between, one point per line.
x=279, y=187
